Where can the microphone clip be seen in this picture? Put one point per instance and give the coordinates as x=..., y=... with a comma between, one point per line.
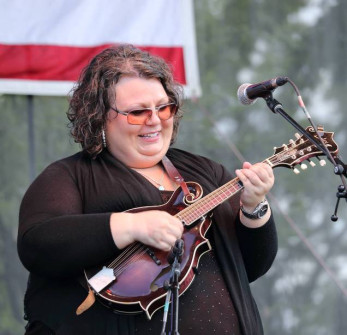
x=341, y=193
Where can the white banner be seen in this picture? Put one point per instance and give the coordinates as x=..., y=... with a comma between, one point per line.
x=45, y=44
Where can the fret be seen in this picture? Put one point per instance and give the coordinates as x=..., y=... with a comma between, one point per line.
x=205, y=205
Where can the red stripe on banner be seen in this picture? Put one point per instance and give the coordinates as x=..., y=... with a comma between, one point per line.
x=51, y=62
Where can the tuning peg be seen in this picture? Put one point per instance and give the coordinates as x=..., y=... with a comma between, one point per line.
x=322, y=162
x=296, y=171
x=313, y=164
x=291, y=142
x=303, y=166
x=299, y=137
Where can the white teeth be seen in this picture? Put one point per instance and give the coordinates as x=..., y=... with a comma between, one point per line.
x=150, y=135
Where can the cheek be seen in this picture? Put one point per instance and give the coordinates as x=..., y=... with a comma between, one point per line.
x=117, y=125
x=114, y=132
x=168, y=128
x=168, y=125
x=119, y=133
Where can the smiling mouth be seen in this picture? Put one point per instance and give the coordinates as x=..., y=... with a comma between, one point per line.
x=150, y=135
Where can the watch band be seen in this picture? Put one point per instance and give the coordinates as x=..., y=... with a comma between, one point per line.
x=259, y=211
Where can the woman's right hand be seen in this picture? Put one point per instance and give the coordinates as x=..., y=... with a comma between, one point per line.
x=154, y=228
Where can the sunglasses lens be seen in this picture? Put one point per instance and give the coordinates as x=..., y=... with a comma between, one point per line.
x=139, y=116
x=166, y=112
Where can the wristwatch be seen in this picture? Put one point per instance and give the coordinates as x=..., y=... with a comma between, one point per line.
x=259, y=211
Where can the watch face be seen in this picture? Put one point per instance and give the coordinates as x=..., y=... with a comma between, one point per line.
x=259, y=211
x=263, y=210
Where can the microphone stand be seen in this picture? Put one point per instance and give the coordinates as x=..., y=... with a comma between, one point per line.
x=175, y=296
x=173, y=288
x=339, y=167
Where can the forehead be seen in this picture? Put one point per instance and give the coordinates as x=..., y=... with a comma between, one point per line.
x=136, y=88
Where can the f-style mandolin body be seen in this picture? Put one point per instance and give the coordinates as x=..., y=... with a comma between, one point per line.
x=141, y=272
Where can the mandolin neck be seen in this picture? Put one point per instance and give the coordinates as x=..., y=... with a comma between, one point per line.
x=203, y=206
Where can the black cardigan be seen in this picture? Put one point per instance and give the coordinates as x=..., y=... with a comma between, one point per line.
x=64, y=228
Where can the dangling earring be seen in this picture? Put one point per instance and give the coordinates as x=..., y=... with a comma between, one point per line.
x=104, y=144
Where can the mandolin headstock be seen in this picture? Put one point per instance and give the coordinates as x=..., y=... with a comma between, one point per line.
x=300, y=150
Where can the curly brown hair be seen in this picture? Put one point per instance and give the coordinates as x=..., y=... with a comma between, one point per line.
x=94, y=92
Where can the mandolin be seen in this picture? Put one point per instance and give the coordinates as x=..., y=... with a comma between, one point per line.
x=135, y=281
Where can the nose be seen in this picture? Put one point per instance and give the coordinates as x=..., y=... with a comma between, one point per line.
x=153, y=119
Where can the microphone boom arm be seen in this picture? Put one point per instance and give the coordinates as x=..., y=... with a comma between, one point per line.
x=339, y=167
x=277, y=107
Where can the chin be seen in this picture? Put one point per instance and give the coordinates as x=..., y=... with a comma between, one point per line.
x=152, y=156
x=156, y=151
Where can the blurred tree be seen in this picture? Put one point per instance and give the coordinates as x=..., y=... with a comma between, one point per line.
x=47, y=141
x=251, y=41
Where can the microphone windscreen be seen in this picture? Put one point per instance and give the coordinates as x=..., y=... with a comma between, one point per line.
x=242, y=95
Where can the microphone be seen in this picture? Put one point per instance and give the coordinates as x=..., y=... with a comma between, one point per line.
x=248, y=93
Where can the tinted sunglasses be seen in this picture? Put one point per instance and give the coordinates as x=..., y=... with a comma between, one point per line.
x=140, y=116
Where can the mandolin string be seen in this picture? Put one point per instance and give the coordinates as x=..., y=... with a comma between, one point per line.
x=132, y=254
x=224, y=192
x=131, y=260
x=126, y=254
x=128, y=250
x=294, y=147
x=125, y=259
x=205, y=202
x=192, y=213
x=189, y=214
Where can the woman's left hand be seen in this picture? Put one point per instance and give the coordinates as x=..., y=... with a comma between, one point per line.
x=257, y=180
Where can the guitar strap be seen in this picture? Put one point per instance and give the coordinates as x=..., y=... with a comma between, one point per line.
x=175, y=175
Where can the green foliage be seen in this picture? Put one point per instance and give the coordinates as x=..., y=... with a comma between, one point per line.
x=251, y=41
x=24, y=156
